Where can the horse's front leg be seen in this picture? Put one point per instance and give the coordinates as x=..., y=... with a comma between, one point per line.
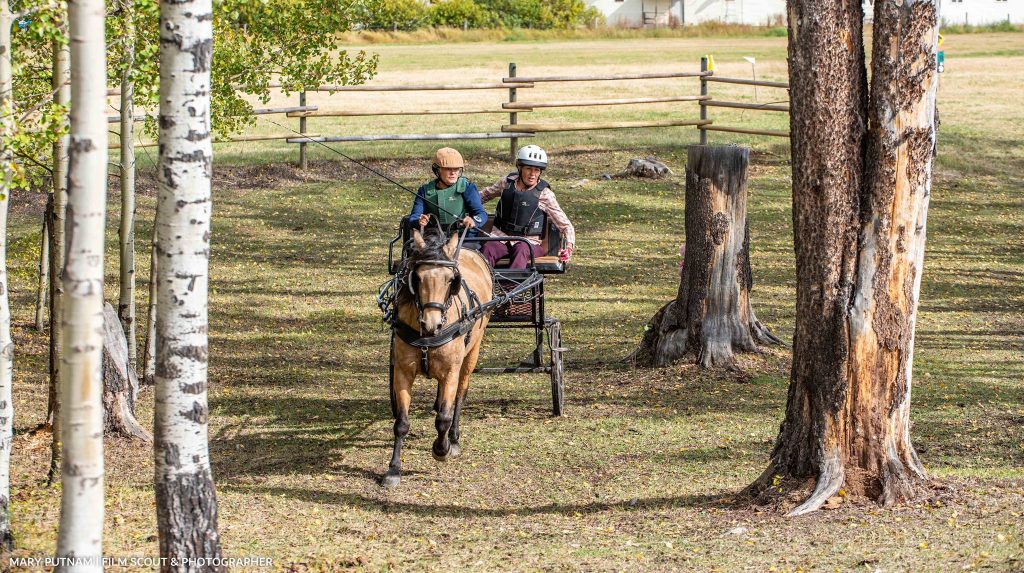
x=401, y=396
x=467, y=368
x=448, y=386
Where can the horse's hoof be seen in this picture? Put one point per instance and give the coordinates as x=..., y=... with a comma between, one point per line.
x=454, y=451
x=390, y=480
x=439, y=454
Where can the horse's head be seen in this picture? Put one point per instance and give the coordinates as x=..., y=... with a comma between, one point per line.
x=434, y=279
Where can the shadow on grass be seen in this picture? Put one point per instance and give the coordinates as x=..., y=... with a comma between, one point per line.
x=305, y=432
x=707, y=501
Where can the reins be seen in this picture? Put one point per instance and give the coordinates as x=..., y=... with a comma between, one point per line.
x=371, y=170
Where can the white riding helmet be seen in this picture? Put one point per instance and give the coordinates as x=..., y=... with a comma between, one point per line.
x=533, y=156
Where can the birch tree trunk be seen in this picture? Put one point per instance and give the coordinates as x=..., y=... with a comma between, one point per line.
x=186, y=501
x=126, y=234
x=81, y=508
x=62, y=94
x=149, y=352
x=712, y=316
x=44, y=268
x=859, y=224
x=6, y=344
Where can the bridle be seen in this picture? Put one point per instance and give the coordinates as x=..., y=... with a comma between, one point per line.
x=454, y=286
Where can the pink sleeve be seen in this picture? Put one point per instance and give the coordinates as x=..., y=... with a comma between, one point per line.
x=488, y=193
x=550, y=205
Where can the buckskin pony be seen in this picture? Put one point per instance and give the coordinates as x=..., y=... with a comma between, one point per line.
x=439, y=328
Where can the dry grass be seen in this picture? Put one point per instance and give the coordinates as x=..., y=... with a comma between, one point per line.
x=641, y=473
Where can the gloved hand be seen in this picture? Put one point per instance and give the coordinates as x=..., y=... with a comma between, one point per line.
x=423, y=220
x=566, y=253
x=468, y=222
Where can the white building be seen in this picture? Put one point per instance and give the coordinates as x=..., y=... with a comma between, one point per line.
x=773, y=12
x=677, y=12
x=982, y=11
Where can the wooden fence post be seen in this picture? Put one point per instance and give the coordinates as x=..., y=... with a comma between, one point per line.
x=303, y=163
x=703, y=92
x=513, y=117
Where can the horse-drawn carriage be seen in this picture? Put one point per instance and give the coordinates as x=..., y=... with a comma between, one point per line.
x=517, y=303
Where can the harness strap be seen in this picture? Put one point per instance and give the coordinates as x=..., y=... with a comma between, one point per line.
x=412, y=336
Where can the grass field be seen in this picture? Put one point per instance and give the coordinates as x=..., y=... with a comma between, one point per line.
x=641, y=472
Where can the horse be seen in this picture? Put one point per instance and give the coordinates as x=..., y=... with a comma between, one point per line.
x=442, y=285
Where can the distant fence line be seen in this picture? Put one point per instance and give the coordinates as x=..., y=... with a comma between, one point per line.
x=514, y=130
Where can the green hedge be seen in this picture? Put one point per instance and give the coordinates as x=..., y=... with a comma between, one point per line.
x=535, y=14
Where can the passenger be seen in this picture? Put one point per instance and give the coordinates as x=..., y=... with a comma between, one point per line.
x=524, y=201
x=450, y=197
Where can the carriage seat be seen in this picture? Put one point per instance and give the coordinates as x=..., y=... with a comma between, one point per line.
x=550, y=242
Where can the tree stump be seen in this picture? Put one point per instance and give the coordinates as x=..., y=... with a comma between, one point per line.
x=711, y=316
x=120, y=384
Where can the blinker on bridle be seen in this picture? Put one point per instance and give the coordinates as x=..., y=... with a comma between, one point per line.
x=453, y=288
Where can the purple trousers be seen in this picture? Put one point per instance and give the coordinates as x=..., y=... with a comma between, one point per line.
x=518, y=253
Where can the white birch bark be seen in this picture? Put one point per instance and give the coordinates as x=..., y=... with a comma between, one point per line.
x=186, y=502
x=126, y=234
x=6, y=344
x=81, y=510
x=62, y=95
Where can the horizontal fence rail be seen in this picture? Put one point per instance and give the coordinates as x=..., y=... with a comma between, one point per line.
x=422, y=87
x=406, y=137
x=529, y=105
x=739, y=105
x=541, y=128
x=761, y=83
x=351, y=113
x=258, y=111
x=606, y=77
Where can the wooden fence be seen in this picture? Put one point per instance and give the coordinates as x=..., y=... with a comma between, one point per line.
x=513, y=130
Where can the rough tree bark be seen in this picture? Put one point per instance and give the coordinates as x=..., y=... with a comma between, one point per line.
x=711, y=316
x=126, y=232
x=81, y=384
x=860, y=199
x=62, y=95
x=186, y=501
x=149, y=352
x=120, y=384
x=6, y=343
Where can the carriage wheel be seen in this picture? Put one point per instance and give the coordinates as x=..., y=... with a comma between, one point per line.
x=557, y=369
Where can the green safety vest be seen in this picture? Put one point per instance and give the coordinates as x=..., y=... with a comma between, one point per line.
x=449, y=198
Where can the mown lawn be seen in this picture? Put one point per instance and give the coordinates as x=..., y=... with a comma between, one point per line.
x=641, y=472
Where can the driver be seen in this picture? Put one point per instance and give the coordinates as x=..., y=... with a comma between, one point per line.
x=458, y=199
x=525, y=200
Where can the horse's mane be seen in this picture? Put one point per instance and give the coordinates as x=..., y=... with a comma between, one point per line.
x=434, y=241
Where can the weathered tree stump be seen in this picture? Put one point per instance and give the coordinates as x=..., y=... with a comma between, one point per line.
x=120, y=384
x=711, y=316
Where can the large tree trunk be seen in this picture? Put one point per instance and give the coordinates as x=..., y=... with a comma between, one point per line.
x=81, y=388
x=126, y=232
x=120, y=384
x=859, y=220
x=6, y=344
x=186, y=502
x=62, y=95
x=711, y=316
